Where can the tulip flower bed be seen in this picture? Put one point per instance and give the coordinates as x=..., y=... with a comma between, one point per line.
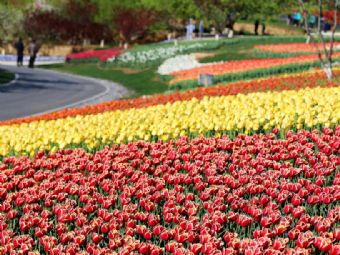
x=312, y=79
x=294, y=47
x=95, y=55
x=241, y=66
x=247, y=75
x=251, y=195
x=211, y=115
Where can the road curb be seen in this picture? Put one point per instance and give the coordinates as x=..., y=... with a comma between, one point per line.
x=16, y=77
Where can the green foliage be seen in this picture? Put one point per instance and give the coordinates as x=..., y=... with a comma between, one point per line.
x=177, y=8
x=228, y=11
x=10, y=23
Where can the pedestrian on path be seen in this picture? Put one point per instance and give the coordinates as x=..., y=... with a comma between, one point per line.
x=190, y=29
x=33, y=50
x=201, y=28
x=19, y=46
x=263, y=23
x=256, y=26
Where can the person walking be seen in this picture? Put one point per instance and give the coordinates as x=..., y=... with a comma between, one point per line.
x=190, y=29
x=33, y=50
x=297, y=18
x=263, y=27
x=201, y=28
x=256, y=26
x=19, y=46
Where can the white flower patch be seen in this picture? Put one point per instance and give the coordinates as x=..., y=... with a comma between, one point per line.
x=156, y=54
x=178, y=63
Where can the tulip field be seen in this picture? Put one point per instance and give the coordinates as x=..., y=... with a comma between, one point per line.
x=244, y=168
x=241, y=66
x=294, y=47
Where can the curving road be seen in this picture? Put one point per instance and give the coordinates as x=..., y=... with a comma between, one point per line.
x=36, y=91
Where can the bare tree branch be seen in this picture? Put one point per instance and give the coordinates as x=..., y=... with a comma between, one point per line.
x=336, y=5
x=327, y=62
x=321, y=35
x=309, y=32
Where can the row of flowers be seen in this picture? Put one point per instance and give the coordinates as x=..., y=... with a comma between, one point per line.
x=185, y=62
x=253, y=112
x=136, y=57
x=241, y=66
x=251, y=195
x=295, y=47
x=102, y=55
x=277, y=83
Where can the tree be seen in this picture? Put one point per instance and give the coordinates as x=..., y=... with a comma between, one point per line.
x=43, y=25
x=168, y=14
x=11, y=15
x=221, y=12
x=133, y=23
x=85, y=26
x=64, y=23
x=332, y=15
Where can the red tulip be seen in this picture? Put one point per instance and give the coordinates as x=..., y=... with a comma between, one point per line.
x=323, y=244
x=144, y=248
x=96, y=238
x=335, y=250
x=164, y=235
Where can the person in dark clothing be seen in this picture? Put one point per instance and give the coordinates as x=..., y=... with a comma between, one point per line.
x=289, y=19
x=33, y=50
x=19, y=46
x=256, y=25
x=263, y=28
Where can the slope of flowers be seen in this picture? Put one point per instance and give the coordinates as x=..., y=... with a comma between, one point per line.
x=293, y=47
x=102, y=55
x=278, y=83
x=251, y=195
x=252, y=112
x=241, y=66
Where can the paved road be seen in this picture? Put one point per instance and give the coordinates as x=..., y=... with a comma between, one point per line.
x=38, y=91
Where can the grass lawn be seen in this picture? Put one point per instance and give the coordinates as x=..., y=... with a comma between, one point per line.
x=245, y=49
x=147, y=81
x=6, y=77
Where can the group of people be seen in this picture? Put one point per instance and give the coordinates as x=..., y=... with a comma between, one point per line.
x=297, y=19
x=190, y=28
x=32, y=51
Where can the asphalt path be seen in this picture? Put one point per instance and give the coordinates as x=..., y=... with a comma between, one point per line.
x=36, y=91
